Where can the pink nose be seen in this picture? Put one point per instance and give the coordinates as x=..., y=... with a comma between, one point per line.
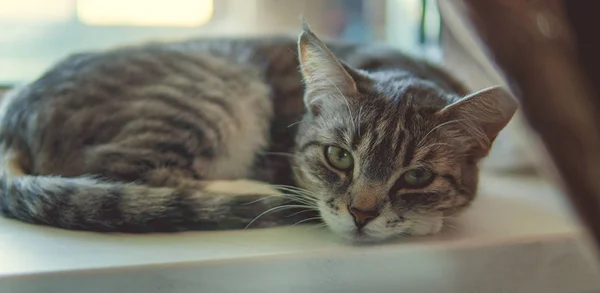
x=362, y=217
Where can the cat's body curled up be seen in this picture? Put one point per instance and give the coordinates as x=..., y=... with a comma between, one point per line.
x=145, y=138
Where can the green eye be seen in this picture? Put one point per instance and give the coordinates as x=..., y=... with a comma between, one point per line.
x=418, y=177
x=339, y=158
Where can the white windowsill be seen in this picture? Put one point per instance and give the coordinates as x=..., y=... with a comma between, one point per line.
x=518, y=237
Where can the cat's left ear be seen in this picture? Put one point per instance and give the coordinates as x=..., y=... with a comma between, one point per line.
x=322, y=72
x=486, y=112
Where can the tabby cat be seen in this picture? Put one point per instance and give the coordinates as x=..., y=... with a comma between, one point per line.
x=153, y=138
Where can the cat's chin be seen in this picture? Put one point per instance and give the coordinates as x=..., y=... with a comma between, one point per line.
x=359, y=237
x=367, y=236
x=364, y=238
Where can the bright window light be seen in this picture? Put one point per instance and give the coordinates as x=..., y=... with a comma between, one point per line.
x=178, y=13
x=35, y=10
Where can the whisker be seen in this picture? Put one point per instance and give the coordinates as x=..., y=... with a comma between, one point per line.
x=273, y=210
x=318, y=226
x=294, y=189
x=296, y=123
x=300, y=212
x=289, y=197
x=297, y=191
x=299, y=194
x=306, y=220
x=261, y=199
x=289, y=187
x=304, y=201
x=300, y=199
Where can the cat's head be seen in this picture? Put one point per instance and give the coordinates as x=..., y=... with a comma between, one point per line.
x=385, y=155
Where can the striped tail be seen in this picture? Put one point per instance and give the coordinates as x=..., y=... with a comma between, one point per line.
x=96, y=205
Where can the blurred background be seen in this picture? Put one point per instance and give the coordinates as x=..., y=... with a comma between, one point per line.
x=36, y=33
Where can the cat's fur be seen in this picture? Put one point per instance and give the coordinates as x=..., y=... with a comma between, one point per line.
x=132, y=139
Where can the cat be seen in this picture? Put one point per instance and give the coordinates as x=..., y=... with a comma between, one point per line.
x=147, y=138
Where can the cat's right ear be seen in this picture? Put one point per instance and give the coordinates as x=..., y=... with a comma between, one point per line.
x=323, y=74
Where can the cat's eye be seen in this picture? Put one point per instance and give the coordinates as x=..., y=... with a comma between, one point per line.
x=339, y=158
x=416, y=178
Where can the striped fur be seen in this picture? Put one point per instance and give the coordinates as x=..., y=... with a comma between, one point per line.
x=132, y=139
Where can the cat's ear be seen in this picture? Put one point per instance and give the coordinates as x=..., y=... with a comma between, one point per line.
x=485, y=113
x=323, y=74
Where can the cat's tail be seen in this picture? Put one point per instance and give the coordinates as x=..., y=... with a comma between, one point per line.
x=85, y=203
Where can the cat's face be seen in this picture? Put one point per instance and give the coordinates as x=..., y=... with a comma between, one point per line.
x=386, y=156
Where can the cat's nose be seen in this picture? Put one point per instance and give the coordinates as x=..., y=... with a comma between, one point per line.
x=362, y=217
